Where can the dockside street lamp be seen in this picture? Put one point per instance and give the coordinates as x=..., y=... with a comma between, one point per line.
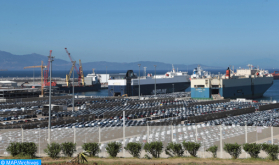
x=155, y=80
x=139, y=80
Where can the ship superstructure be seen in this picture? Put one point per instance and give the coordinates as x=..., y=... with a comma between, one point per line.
x=200, y=73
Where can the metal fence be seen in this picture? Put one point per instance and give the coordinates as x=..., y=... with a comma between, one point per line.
x=206, y=135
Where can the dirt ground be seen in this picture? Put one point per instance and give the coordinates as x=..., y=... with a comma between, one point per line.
x=168, y=161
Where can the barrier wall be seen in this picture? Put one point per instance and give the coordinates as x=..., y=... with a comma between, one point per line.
x=209, y=102
x=54, y=122
x=269, y=106
x=213, y=116
x=207, y=136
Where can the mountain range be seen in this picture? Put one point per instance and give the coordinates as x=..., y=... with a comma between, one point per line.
x=18, y=62
x=10, y=61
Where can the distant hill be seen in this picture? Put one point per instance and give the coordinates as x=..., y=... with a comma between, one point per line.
x=18, y=62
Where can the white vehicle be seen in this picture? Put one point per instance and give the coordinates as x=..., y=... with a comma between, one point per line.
x=6, y=123
x=23, y=108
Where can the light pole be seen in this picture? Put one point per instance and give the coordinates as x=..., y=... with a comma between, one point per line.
x=172, y=88
x=73, y=91
x=155, y=79
x=107, y=75
x=139, y=81
x=49, y=108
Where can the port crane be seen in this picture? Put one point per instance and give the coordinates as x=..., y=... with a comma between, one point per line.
x=69, y=74
x=79, y=71
x=42, y=75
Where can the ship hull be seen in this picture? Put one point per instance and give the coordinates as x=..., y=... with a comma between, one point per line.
x=249, y=88
x=147, y=89
x=89, y=88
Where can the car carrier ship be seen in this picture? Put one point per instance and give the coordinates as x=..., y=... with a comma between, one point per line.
x=245, y=83
x=172, y=81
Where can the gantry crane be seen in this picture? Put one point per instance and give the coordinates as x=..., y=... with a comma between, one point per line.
x=42, y=75
x=81, y=73
x=70, y=73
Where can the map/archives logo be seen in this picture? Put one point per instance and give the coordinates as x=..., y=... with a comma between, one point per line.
x=20, y=162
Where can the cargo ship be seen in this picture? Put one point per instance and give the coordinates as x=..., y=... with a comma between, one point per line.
x=275, y=75
x=173, y=81
x=91, y=83
x=245, y=83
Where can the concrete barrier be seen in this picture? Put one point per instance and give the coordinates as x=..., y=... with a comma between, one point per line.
x=268, y=107
x=202, y=118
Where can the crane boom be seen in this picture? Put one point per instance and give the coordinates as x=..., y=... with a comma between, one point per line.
x=70, y=73
x=72, y=60
x=42, y=75
x=28, y=67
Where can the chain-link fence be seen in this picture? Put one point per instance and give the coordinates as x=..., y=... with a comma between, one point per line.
x=207, y=136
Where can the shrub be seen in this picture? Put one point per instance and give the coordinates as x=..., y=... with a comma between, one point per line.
x=154, y=148
x=134, y=149
x=272, y=150
x=252, y=149
x=29, y=149
x=213, y=150
x=24, y=149
x=92, y=148
x=53, y=150
x=191, y=147
x=233, y=149
x=14, y=148
x=174, y=149
x=68, y=148
x=113, y=148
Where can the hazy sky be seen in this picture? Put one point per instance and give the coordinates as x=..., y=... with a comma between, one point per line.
x=181, y=32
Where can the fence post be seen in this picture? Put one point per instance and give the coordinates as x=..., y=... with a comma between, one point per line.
x=123, y=133
x=39, y=141
x=271, y=134
x=257, y=134
x=74, y=134
x=171, y=133
x=246, y=136
x=22, y=135
x=99, y=135
x=196, y=133
x=147, y=138
x=221, y=142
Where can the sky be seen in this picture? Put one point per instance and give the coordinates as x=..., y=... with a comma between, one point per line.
x=205, y=32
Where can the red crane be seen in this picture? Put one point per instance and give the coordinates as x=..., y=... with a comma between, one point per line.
x=78, y=72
